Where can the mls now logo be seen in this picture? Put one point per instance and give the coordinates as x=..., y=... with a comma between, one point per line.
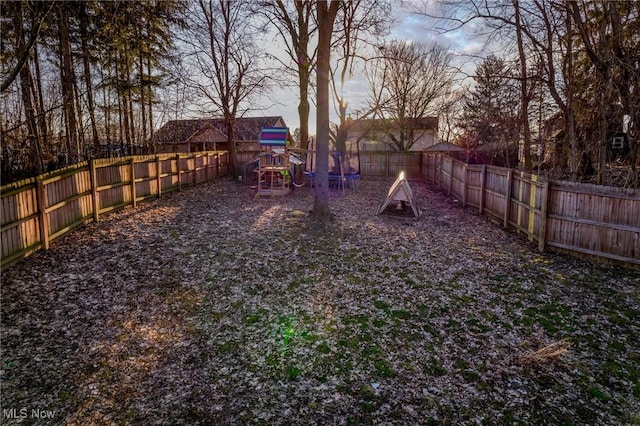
x=23, y=413
x=14, y=413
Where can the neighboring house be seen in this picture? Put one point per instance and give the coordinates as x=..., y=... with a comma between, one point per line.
x=554, y=134
x=211, y=134
x=384, y=134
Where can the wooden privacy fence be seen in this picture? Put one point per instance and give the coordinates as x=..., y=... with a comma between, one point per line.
x=580, y=218
x=390, y=163
x=372, y=163
x=38, y=210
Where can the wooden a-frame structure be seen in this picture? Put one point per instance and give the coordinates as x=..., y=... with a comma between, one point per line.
x=401, y=194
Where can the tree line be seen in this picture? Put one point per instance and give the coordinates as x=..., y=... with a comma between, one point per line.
x=79, y=78
x=565, y=72
x=84, y=79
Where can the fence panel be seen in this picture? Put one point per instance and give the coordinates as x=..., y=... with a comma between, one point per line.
x=20, y=232
x=373, y=163
x=474, y=179
x=146, y=178
x=38, y=210
x=580, y=218
x=458, y=180
x=600, y=221
x=67, y=200
x=496, y=187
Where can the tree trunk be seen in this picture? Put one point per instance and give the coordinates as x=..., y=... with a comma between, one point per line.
x=143, y=112
x=326, y=15
x=303, y=110
x=67, y=78
x=132, y=126
x=84, y=24
x=233, y=152
x=42, y=119
x=123, y=91
x=150, y=103
x=26, y=89
x=575, y=152
x=524, y=90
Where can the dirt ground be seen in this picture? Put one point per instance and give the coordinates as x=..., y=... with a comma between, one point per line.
x=209, y=307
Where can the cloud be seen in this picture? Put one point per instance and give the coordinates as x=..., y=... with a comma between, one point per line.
x=408, y=25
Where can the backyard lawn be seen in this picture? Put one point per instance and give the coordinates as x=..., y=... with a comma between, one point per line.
x=209, y=307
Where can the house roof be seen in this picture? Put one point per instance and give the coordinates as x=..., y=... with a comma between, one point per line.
x=247, y=129
x=180, y=131
x=385, y=124
x=445, y=147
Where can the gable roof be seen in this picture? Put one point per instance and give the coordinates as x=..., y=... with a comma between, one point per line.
x=386, y=124
x=445, y=147
x=247, y=129
x=180, y=131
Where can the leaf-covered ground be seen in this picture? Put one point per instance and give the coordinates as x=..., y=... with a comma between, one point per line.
x=209, y=307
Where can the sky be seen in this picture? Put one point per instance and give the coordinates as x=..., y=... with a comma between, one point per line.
x=407, y=26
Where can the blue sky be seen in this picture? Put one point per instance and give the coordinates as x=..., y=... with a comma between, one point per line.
x=407, y=26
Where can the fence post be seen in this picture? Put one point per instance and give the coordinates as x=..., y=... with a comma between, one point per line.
x=507, y=208
x=544, y=202
x=195, y=169
x=178, y=168
x=41, y=200
x=387, y=165
x=206, y=167
x=483, y=173
x=464, y=185
x=520, y=199
x=133, y=182
x=159, y=179
x=450, y=175
x=95, y=202
x=217, y=164
x=438, y=170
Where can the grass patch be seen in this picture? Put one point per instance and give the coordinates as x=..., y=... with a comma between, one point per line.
x=383, y=368
x=401, y=314
x=324, y=348
x=434, y=367
x=598, y=394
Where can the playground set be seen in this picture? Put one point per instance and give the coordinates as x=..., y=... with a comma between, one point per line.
x=277, y=166
x=274, y=162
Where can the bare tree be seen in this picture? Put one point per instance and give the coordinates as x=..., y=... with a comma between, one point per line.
x=361, y=23
x=525, y=94
x=225, y=61
x=609, y=51
x=68, y=79
x=406, y=84
x=327, y=11
x=296, y=27
x=22, y=53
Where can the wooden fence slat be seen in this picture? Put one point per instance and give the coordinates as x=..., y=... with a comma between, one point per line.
x=507, y=208
x=544, y=204
x=132, y=165
x=464, y=185
x=42, y=215
x=158, y=176
x=195, y=169
x=580, y=218
x=178, y=168
x=483, y=183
